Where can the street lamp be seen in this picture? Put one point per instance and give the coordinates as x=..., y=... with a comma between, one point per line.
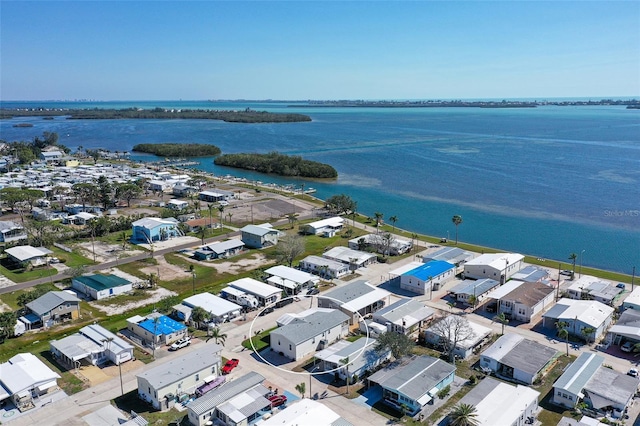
x=580, y=270
x=193, y=276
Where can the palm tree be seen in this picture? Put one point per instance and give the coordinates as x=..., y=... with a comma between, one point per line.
x=302, y=388
x=210, y=207
x=196, y=207
x=573, y=257
x=587, y=332
x=414, y=241
x=563, y=332
x=218, y=336
x=292, y=218
x=502, y=319
x=463, y=415
x=457, y=220
x=221, y=210
x=393, y=220
x=378, y=216
x=199, y=315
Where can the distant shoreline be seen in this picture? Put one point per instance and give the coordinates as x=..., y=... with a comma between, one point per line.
x=631, y=104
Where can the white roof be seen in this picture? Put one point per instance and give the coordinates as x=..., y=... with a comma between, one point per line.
x=505, y=289
x=152, y=222
x=305, y=412
x=217, y=306
x=275, y=281
x=345, y=254
x=406, y=268
x=496, y=260
x=506, y=343
x=178, y=202
x=255, y=287
x=495, y=410
x=98, y=333
x=233, y=291
x=364, y=299
x=23, y=253
x=332, y=221
x=85, y=215
x=589, y=312
x=25, y=371
x=479, y=333
x=633, y=298
x=292, y=274
x=287, y=318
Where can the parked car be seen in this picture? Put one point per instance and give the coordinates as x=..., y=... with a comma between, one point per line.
x=627, y=347
x=313, y=291
x=266, y=311
x=633, y=372
x=179, y=344
x=566, y=272
x=621, y=285
x=230, y=365
x=277, y=400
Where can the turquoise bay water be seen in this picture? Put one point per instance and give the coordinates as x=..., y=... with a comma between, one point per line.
x=547, y=181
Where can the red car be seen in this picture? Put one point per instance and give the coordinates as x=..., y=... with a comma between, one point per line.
x=230, y=365
x=277, y=400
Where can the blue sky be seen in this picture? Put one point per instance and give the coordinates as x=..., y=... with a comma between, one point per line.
x=109, y=50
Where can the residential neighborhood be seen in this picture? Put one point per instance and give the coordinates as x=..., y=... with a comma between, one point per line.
x=226, y=305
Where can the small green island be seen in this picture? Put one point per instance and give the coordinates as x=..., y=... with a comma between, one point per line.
x=279, y=164
x=232, y=116
x=178, y=149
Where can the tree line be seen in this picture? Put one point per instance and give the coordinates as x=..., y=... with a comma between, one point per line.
x=178, y=149
x=245, y=116
x=28, y=151
x=276, y=163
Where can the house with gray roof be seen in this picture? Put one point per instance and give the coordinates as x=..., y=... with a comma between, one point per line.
x=626, y=329
x=238, y=402
x=602, y=389
x=259, y=236
x=219, y=250
x=406, y=316
x=24, y=255
x=165, y=384
x=514, y=358
x=53, y=307
x=454, y=255
x=356, y=299
x=306, y=334
x=92, y=345
x=323, y=267
x=468, y=290
x=360, y=355
x=579, y=315
x=593, y=288
x=412, y=383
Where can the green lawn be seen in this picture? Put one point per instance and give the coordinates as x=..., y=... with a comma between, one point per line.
x=11, y=299
x=20, y=275
x=72, y=259
x=130, y=402
x=260, y=341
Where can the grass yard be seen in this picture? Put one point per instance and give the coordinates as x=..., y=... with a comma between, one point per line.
x=130, y=402
x=72, y=259
x=260, y=340
x=551, y=413
x=20, y=275
x=11, y=299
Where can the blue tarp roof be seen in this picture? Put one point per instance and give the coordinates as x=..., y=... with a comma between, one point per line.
x=430, y=269
x=165, y=326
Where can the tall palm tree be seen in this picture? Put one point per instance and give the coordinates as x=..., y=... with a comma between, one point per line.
x=210, y=207
x=573, y=258
x=218, y=336
x=196, y=207
x=502, y=319
x=378, y=216
x=414, y=241
x=393, y=220
x=563, y=333
x=463, y=415
x=457, y=220
x=221, y=210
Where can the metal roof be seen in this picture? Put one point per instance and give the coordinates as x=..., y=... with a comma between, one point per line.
x=302, y=329
x=323, y=261
x=213, y=304
x=24, y=253
x=531, y=273
x=356, y=295
x=102, y=282
x=450, y=254
x=414, y=377
x=475, y=287
x=611, y=386
x=496, y=260
x=76, y=347
x=258, y=230
x=345, y=255
x=50, y=300
x=222, y=246
x=97, y=333
x=521, y=354
x=212, y=399
x=430, y=269
x=578, y=374
x=291, y=274
x=178, y=368
x=590, y=312
x=23, y=372
x=249, y=285
x=163, y=325
x=409, y=311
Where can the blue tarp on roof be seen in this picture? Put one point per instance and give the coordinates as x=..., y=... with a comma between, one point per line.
x=430, y=269
x=164, y=326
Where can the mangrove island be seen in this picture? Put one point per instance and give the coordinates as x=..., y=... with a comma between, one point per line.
x=178, y=149
x=276, y=163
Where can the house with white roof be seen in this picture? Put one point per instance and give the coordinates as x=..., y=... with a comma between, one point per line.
x=323, y=267
x=356, y=299
x=219, y=250
x=240, y=402
x=411, y=383
x=306, y=411
x=593, y=288
x=210, y=196
x=354, y=258
x=473, y=292
x=493, y=408
x=25, y=377
x=497, y=266
x=423, y=278
x=305, y=334
x=11, y=232
x=219, y=308
x=447, y=328
x=177, y=205
x=454, y=255
x=406, y=316
x=578, y=315
x=632, y=301
x=150, y=229
x=51, y=155
x=520, y=360
x=259, y=236
x=265, y=293
x=601, y=388
x=23, y=255
x=360, y=355
x=394, y=247
x=325, y=227
x=92, y=345
x=290, y=279
x=164, y=385
x=532, y=273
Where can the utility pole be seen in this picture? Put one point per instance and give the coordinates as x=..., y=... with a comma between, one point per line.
x=633, y=275
x=558, y=287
